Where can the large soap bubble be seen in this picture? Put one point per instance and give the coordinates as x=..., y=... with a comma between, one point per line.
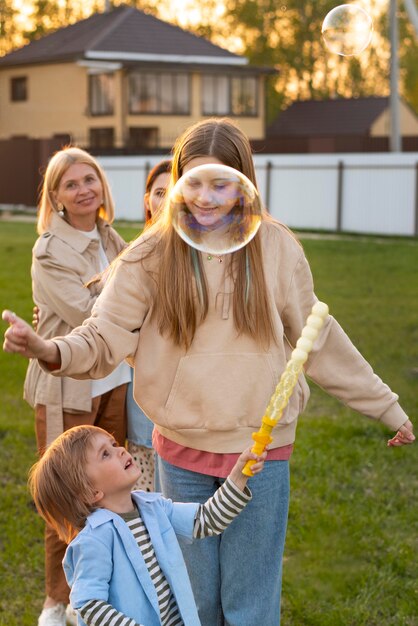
x=347, y=30
x=215, y=209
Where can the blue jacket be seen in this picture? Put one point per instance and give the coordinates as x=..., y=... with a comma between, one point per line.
x=104, y=562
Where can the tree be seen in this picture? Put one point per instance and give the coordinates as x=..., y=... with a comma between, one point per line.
x=408, y=59
x=287, y=35
x=45, y=19
x=49, y=15
x=9, y=31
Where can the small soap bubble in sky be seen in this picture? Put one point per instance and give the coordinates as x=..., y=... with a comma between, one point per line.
x=347, y=30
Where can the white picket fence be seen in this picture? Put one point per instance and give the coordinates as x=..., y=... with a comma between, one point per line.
x=373, y=193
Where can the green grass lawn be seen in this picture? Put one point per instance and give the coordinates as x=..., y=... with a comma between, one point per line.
x=352, y=539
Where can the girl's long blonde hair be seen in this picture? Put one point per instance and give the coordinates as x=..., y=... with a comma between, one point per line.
x=181, y=274
x=59, y=485
x=56, y=168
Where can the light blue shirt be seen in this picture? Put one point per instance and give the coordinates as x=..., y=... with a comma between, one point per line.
x=104, y=562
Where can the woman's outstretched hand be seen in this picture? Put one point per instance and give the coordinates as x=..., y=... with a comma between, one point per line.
x=404, y=435
x=20, y=338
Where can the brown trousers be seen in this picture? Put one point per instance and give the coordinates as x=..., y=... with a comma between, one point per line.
x=108, y=412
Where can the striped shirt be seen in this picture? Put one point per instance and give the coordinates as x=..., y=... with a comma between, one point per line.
x=211, y=519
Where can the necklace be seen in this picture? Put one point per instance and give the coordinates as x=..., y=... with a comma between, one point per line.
x=215, y=256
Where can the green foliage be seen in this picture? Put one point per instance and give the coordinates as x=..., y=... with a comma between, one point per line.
x=49, y=15
x=284, y=35
x=288, y=36
x=408, y=60
x=8, y=26
x=350, y=556
x=407, y=54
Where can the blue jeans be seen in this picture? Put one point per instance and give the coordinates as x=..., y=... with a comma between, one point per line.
x=139, y=427
x=236, y=577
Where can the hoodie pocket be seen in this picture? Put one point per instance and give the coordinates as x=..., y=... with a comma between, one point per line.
x=220, y=391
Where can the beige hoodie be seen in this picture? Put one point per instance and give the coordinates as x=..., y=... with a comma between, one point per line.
x=63, y=261
x=213, y=396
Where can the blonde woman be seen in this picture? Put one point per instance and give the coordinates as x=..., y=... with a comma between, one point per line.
x=209, y=341
x=76, y=241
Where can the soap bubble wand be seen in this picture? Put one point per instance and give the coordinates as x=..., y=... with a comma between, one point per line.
x=288, y=380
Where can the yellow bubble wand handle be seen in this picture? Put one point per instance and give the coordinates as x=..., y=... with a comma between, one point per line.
x=287, y=382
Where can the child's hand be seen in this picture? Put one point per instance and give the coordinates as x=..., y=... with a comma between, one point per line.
x=247, y=455
x=236, y=474
x=403, y=436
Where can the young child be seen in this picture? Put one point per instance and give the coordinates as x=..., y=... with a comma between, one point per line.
x=124, y=564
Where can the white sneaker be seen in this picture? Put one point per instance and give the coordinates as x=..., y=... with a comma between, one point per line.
x=71, y=616
x=54, y=616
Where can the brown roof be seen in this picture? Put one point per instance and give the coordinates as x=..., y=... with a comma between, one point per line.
x=343, y=116
x=124, y=33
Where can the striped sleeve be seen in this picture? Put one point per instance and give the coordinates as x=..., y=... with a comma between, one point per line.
x=99, y=613
x=218, y=512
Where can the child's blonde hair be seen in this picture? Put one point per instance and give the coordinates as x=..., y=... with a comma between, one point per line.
x=59, y=484
x=56, y=168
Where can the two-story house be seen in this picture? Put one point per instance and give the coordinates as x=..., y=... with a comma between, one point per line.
x=127, y=80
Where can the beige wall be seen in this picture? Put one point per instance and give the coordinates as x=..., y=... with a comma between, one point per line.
x=57, y=95
x=408, y=123
x=58, y=104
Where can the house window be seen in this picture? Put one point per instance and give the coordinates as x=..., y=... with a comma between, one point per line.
x=102, y=94
x=161, y=93
x=19, y=89
x=243, y=96
x=143, y=137
x=215, y=95
x=229, y=95
x=102, y=138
